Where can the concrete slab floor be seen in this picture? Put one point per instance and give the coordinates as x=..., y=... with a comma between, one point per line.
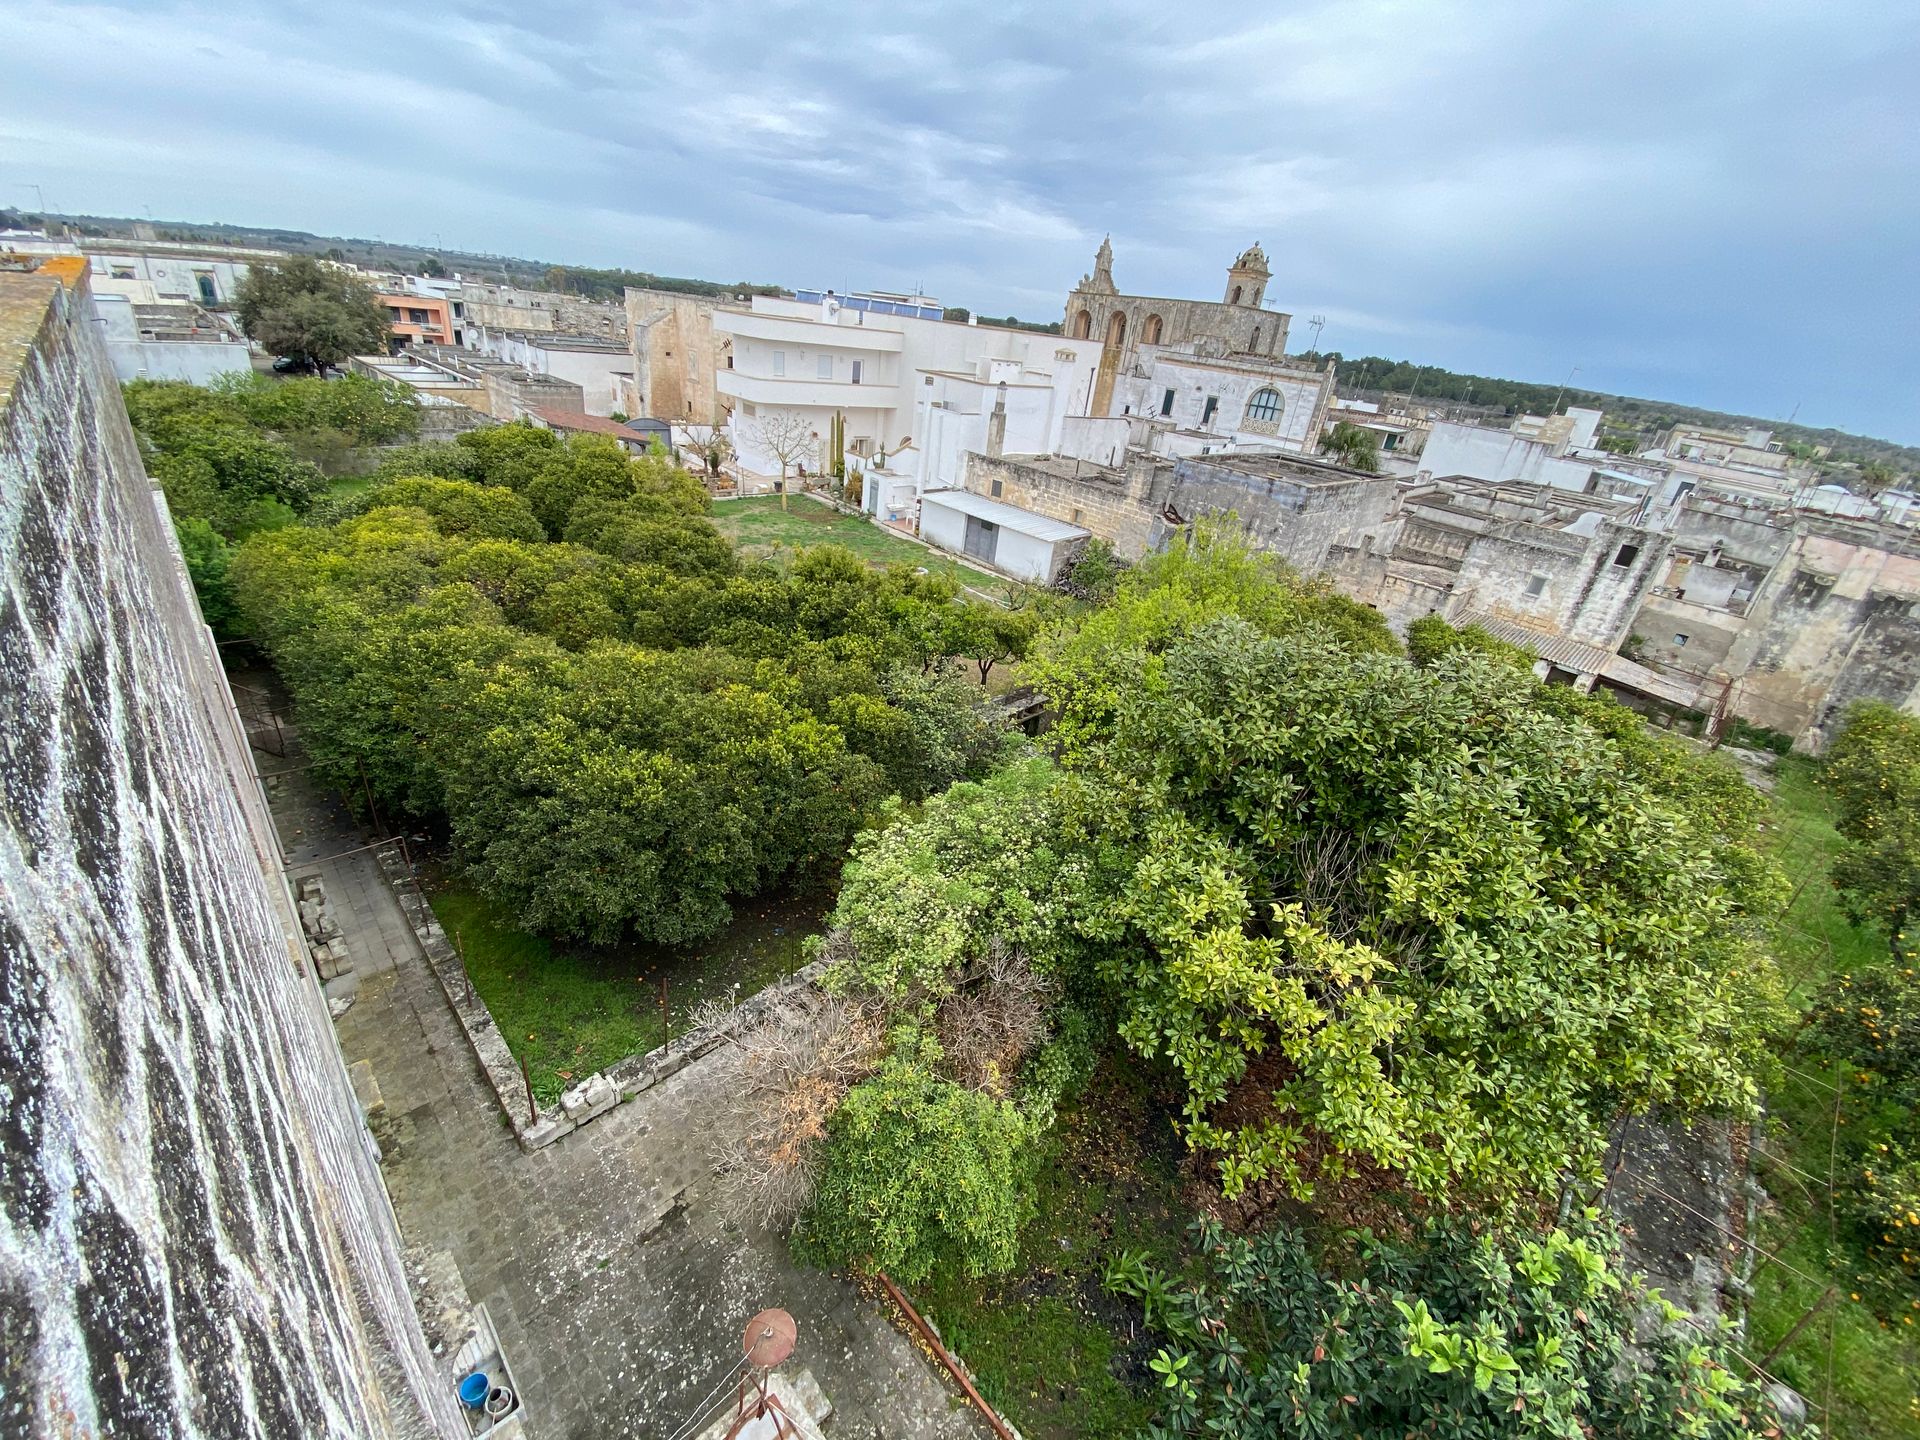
x=618, y=1290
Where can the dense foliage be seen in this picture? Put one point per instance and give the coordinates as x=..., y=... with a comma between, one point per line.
x=922, y=1172
x=547, y=644
x=1461, y=1333
x=238, y=458
x=1353, y=446
x=1866, y=1025
x=1873, y=771
x=311, y=312
x=1433, y=924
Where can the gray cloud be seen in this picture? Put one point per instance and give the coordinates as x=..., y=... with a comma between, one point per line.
x=1714, y=203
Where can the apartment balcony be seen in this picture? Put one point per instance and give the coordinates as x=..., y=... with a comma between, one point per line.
x=814, y=334
x=799, y=390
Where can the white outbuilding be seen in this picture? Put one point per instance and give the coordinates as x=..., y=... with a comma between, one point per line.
x=1014, y=541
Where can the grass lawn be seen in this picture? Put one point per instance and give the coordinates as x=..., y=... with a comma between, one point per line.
x=345, y=487
x=1871, y=1371
x=1050, y=1349
x=568, y=1011
x=762, y=530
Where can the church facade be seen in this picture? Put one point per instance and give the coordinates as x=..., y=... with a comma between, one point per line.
x=1234, y=325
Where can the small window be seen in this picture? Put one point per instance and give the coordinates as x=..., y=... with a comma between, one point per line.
x=999, y=488
x=1076, y=514
x=1208, y=410
x=1680, y=640
x=826, y=367
x=779, y=362
x=1536, y=586
x=1166, y=403
x=1265, y=405
x=1626, y=555
x=123, y=272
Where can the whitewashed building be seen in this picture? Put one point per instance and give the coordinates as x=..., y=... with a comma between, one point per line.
x=1020, y=543
x=1189, y=402
x=910, y=386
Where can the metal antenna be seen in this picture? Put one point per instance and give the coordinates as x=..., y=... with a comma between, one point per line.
x=767, y=1342
x=1319, y=323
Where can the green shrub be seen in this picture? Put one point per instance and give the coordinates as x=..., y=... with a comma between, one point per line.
x=921, y=1174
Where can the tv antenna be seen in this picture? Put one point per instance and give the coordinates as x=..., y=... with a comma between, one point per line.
x=1319, y=323
x=757, y=1412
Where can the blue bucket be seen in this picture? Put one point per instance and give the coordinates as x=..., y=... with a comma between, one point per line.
x=473, y=1390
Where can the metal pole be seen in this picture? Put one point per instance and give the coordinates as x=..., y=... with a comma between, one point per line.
x=1794, y=1331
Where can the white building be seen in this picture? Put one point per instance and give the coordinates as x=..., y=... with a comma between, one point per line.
x=1020, y=543
x=603, y=369
x=902, y=378
x=187, y=345
x=1193, y=403
x=153, y=271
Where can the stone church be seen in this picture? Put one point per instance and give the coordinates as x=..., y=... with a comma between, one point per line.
x=1234, y=325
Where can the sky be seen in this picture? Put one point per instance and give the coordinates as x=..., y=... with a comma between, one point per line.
x=1712, y=203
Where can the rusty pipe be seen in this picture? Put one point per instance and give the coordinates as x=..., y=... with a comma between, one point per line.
x=945, y=1357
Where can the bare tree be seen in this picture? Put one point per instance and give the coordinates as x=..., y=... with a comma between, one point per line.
x=993, y=1021
x=784, y=1079
x=786, y=435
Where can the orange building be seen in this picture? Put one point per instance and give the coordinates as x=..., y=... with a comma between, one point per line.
x=418, y=319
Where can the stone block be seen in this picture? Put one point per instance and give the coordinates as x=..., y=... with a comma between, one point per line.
x=311, y=888
x=593, y=1096
x=366, y=1089
x=545, y=1132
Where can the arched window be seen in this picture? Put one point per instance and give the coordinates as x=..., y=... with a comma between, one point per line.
x=1083, y=325
x=1150, y=331
x=1117, y=329
x=1264, y=406
x=1236, y=296
x=1255, y=345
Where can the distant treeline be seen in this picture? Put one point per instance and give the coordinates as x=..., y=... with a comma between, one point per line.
x=1373, y=375
x=1010, y=322
x=614, y=284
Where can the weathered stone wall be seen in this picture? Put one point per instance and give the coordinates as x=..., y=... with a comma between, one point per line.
x=194, y=1237
x=1119, y=506
x=676, y=352
x=1593, y=586
x=1300, y=516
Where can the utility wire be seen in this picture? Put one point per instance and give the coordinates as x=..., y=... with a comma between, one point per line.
x=686, y=1427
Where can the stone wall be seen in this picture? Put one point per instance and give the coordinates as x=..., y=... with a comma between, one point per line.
x=1292, y=508
x=194, y=1236
x=676, y=353
x=1120, y=506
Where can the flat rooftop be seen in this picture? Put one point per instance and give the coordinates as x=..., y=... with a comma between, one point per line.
x=1010, y=517
x=1295, y=469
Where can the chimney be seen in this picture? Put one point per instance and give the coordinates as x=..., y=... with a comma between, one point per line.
x=997, y=423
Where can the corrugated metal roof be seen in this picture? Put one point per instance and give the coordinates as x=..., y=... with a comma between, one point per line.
x=1584, y=659
x=1011, y=517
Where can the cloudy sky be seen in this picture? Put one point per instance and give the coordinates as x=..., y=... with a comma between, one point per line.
x=1710, y=202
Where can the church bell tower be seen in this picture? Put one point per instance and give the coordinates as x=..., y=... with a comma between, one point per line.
x=1247, y=279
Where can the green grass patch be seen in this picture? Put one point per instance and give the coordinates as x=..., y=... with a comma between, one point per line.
x=568, y=1011
x=1863, y=1366
x=764, y=531
x=1048, y=1346
x=1814, y=939
x=345, y=487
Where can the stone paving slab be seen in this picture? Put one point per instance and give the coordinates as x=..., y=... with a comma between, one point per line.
x=618, y=1291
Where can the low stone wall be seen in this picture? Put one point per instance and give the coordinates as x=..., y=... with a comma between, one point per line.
x=598, y=1093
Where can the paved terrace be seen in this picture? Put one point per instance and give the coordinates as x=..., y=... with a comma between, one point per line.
x=618, y=1292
